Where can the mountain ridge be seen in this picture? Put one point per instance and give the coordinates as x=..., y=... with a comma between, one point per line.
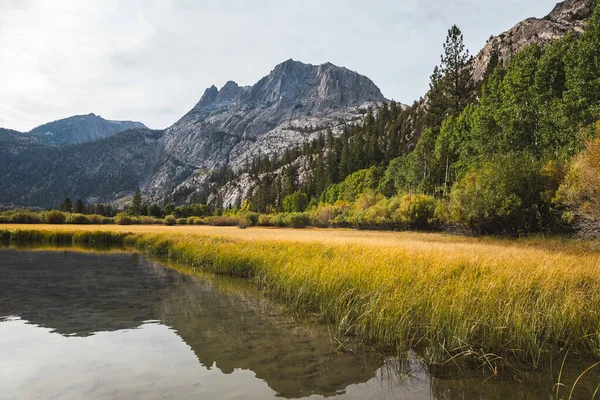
x=73, y=130
x=294, y=103
x=229, y=127
x=80, y=129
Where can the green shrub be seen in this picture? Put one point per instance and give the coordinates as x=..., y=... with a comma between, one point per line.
x=352, y=187
x=297, y=220
x=416, y=211
x=25, y=217
x=296, y=202
x=244, y=222
x=108, y=221
x=181, y=221
x=55, y=217
x=123, y=219
x=507, y=194
x=145, y=220
x=378, y=216
x=170, y=220
x=265, y=220
x=95, y=219
x=223, y=220
x=78, y=219
x=324, y=215
x=253, y=217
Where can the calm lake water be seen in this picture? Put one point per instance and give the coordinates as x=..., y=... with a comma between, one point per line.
x=77, y=325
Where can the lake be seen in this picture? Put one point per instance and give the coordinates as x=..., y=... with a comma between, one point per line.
x=115, y=325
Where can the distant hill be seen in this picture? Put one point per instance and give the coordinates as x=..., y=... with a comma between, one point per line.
x=80, y=129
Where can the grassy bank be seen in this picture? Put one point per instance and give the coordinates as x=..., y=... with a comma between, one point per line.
x=444, y=295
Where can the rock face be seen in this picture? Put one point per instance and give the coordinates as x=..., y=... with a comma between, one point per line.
x=80, y=129
x=567, y=16
x=295, y=103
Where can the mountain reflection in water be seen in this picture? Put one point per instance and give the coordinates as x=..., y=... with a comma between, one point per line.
x=87, y=325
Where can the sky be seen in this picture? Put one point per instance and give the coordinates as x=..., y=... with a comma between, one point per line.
x=151, y=60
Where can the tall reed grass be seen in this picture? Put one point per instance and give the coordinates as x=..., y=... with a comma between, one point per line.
x=446, y=298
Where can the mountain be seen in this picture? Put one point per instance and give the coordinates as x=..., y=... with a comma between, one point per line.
x=99, y=171
x=13, y=142
x=567, y=16
x=228, y=128
x=80, y=129
x=294, y=104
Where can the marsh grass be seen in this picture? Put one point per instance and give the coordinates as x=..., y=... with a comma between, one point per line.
x=484, y=299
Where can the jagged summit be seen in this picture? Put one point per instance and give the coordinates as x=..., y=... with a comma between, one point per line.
x=294, y=103
x=292, y=83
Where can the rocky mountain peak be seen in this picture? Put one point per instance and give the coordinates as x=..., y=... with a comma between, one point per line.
x=567, y=16
x=296, y=84
x=571, y=11
x=208, y=97
x=295, y=103
x=317, y=87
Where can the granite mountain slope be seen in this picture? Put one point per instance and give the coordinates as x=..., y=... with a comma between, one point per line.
x=567, y=16
x=295, y=103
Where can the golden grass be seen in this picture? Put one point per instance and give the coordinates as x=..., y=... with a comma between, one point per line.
x=447, y=295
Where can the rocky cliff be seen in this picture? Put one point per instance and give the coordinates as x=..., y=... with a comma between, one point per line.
x=295, y=103
x=567, y=16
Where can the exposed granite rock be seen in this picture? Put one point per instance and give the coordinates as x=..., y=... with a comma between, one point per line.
x=295, y=103
x=567, y=16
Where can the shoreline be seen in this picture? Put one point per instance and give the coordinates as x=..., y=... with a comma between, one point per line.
x=451, y=296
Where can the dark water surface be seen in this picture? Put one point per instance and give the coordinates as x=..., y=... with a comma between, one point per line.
x=77, y=325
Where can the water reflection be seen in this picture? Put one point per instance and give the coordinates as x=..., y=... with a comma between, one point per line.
x=81, y=326
x=85, y=325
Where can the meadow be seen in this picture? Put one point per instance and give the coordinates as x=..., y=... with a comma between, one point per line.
x=483, y=299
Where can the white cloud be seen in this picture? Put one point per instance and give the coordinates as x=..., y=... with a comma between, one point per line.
x=150, y=60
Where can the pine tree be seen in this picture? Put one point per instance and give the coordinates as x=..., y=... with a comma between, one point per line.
x=67, y=205
x=136, y=203
x=495, y=61
x=79, y=207
x=451, y=86
x=290, y=180
x=457, y=70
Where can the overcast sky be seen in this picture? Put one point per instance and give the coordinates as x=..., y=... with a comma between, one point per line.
x=150, y=60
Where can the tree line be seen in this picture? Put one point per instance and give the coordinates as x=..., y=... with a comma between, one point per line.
x=493, y=154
